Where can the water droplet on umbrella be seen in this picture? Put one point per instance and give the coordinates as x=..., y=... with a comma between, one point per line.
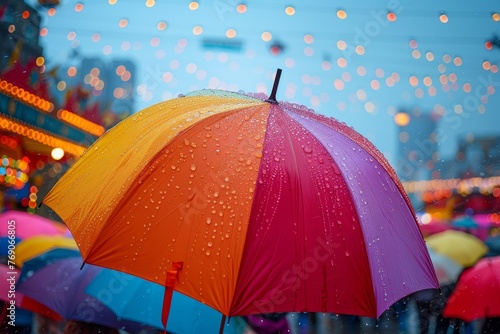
x=207, y=252
x=193, y=167
x=173, y=167
x=347, y=254
x=210, y=244
x=307, y=149
x=209, y=220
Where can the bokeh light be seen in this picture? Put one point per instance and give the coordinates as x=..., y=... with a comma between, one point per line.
x=290, y=10
x=266, y=36
x=193, y=5
x=123, y=23
x=197, y=30
x=241, y=8
x=341, y=14
x=230, y=33
x=161, y=26
x=402, y=119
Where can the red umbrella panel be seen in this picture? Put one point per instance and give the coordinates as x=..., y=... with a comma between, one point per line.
x=250, y=206
x=477, y=293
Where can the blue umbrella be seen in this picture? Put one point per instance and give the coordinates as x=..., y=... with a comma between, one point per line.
x=136, y=299
x=32, y=266
x=60, y=286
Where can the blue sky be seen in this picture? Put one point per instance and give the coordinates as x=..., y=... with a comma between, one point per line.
x=363, y=87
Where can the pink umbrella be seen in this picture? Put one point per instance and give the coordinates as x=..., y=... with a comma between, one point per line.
x=433, y=228
x=24, y=225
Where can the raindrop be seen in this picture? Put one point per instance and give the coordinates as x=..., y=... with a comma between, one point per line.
x=209, y=220
x=207, y=252
x=173, y=167
x=210, y=244
x=193, y=167
x=307, y=149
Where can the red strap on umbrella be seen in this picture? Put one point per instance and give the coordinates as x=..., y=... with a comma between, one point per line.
x=169, y=290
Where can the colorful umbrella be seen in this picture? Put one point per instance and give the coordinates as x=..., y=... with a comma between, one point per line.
x=35, y=246
x=433, y=228
x=477, y=293
x=248, y=205
x=136, y=299
x=24, y=225
x=9, y=277
x=60, y=286
x=461, y=247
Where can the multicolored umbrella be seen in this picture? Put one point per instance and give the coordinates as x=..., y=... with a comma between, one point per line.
x=8, y=280
x=248, y=205
x=60, y=286
x=32, y=247
x=477, y=292
x=461, y=247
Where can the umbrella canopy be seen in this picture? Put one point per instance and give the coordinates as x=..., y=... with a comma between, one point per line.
x=477, y=292
x=248, y=205
x=8, y=279
x=46, y=259
x=60, y=286
x=447, y=270
x=466, y=222
x=35, y=246
x=136, y=299
x=25, y=225
x=461, y=247
x=433, y=228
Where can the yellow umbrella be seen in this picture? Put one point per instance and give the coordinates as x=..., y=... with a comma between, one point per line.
x=461, y=247
x=35, y=246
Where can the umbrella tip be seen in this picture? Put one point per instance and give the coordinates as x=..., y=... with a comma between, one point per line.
x=272, y=97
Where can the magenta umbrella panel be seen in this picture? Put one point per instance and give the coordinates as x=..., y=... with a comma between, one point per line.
x=308, y=214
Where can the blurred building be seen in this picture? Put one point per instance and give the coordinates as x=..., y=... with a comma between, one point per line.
x=468, y=183
x=19, y=29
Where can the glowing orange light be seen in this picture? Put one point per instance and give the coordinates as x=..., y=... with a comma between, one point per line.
x=193, y=5
x=241, y=8
x=402, y=119
x=230, y=33
x=391, y=17
x=25, y=14
x=290, y=10
x=341, y=14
